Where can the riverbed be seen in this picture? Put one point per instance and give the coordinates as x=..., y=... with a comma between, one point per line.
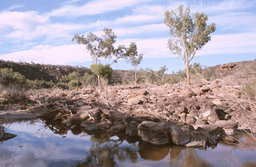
x=36, y=145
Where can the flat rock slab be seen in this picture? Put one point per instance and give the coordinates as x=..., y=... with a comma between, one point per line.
x=18, y=115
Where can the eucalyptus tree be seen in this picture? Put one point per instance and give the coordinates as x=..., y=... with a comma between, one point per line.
x=189, y=33
x=134, y=58
x=102, y=47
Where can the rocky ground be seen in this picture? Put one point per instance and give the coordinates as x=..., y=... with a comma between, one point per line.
x=199, y=115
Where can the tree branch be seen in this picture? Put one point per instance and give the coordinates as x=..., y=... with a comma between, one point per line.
x=193, y=55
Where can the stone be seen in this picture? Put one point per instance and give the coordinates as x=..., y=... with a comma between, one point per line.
x=153, y=132
x=95, y=114
x=229, y=124
x=201, y=143
x=188, y=93
x=84, y=108
x=83, y=115
x=190, y=119
x=216, y=102
x=229, y=132
x=80, y=103
x=118, y=128
x=205, y=114
x=131, y=128
x=200, y=122
x=230, y=139
x=213, y=117
x=179, y=137
x=183, y=117
x=205, y=89
x=89, y=127
x=136, y=100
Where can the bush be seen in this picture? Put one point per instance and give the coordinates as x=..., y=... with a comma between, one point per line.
x=88, y=79
x=39, y=84
x=62, y=85
x=104, y=71
x=249, y=90
x=13, y=95
x=9, y=77
x=74, y=84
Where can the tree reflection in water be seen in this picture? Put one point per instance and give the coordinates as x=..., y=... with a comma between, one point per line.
x=105, y=152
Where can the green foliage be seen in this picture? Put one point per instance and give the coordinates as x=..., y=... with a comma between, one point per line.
x=132, y=55
x=249, y=90
x=39, y=84
x=75, y=80
x=104, y=71
x=189, y=33
x=62, y=85
x=88, y=79
x=103, y=47
x=74, y=84
x=9, y=77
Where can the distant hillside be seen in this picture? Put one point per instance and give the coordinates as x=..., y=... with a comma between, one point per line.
x=53, y=72
x=242, y=70
x=41, y=72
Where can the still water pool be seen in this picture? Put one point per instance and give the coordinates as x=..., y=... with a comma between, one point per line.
x=38, y=146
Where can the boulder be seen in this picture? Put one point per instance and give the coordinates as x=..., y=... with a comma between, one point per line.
x=153, y=132
x=179, y=137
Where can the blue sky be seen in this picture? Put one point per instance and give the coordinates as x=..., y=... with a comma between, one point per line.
x=40, y=31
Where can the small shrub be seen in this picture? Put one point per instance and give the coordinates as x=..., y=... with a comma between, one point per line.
x=74, y=84
x=62, y=85
x=105, y=71
x=88, y=79
x=14, y=95
x=39, y=84
x=249, y=90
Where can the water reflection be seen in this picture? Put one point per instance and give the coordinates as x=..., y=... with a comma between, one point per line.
x=107, y=153
x=37, y=145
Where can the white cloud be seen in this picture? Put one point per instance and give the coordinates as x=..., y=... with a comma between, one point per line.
x=94, y=7
x=30, y=26
x=242, y=43
x=151, y=48
x=45, y=54
x=25, y=21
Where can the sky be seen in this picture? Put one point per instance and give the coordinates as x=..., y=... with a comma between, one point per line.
x=41, y=31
